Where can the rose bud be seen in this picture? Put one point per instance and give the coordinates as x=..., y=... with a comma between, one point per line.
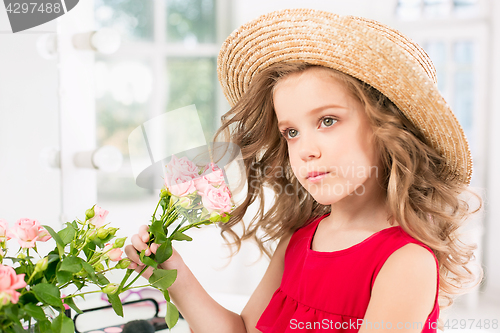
x=110, y=288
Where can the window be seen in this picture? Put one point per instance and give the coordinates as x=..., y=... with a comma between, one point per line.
x=167, y=60
x=455, y=34
x=416, y=9
x=454, y=62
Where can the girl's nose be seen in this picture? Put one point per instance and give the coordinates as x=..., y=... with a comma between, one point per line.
x=309, y=148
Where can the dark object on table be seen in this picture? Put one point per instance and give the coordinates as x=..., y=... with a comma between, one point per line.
x=158, y=323
x=138, y=326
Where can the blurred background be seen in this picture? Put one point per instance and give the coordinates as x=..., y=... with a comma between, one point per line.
x=63, y=94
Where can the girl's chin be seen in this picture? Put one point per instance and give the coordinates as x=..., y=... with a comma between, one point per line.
x=327, y=196
x=327, y=200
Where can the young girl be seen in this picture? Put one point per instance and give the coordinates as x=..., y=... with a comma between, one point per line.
x=342, y=118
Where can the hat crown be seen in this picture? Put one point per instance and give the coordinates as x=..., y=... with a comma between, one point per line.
x=409, y=46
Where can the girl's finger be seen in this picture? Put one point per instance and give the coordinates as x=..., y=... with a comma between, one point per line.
x=147, y=252
x=143, y=232
x=138, y=243
x=132, y=254
x=154, y=247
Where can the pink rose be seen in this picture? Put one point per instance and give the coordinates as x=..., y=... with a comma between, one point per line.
x=4, y=226
x=99, y=218
x=9, y=282
x=27, y=232
x=217, y=199
x=113, y=254
x=209, y=168
x=180, y=174
x=215, y=178
x=182, y=167
x=181, y=186
x=201, y=184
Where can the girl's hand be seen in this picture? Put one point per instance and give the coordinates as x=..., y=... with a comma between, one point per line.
x=139, y=243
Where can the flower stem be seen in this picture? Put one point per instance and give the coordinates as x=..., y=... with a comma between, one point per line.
x=85, y=293
x=135, y=279
x=154, y=214
x=64, y=285
x=189, y=226
x=97, y=259
x=125, y=278
x=80, y=249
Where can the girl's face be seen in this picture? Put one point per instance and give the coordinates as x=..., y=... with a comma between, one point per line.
x=327, y=131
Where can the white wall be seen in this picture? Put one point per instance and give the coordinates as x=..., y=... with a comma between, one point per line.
x=492, y=263
x=29, y=122
x=375, y=9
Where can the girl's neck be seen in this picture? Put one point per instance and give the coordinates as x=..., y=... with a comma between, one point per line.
x=367, y=211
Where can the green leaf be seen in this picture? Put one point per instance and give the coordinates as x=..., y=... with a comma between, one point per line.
x=14, y=260
x=69, y=301
x=34, y=311
x=164, y=203
x=89, y=250
x=54, y=235
x=79, y=284
x=12, y=313
x=71, y=264
x=45, y=326
x=156, y=228
x=28, y=297
x=90, y=270
x=116, y=303
x=48, y=293
x=63, y=276
x=52, y=268
x=166, y=295
x=164, y=252
x=102, y=242
x=21, y=269
x=172, y=315
x=147, y=260
x=59, y=241
x=63, y=324
x=162, y=279
x=180, y=236
x=67, y=234
x=18, y=328
x=52, y=257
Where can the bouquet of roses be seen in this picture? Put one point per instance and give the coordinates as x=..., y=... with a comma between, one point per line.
x=32, y=290
x=29, y=290
x=198, y=196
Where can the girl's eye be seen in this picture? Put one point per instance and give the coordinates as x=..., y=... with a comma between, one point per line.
x=328, y=121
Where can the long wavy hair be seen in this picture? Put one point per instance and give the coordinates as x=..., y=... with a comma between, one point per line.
x=426, y=206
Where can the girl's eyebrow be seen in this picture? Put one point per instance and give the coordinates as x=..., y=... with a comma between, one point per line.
x=316, y=110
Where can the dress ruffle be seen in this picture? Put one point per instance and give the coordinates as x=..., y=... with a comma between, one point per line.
x=285, y=314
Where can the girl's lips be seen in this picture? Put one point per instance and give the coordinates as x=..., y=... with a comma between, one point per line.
x=317, y=178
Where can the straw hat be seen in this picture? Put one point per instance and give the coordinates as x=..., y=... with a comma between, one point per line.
x=363, y=48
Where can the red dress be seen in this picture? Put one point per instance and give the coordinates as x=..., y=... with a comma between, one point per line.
x=330, y=291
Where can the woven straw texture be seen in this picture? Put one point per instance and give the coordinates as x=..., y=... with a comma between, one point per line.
x=365, y=49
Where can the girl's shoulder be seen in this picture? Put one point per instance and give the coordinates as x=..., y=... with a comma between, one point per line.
x=304, y=232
